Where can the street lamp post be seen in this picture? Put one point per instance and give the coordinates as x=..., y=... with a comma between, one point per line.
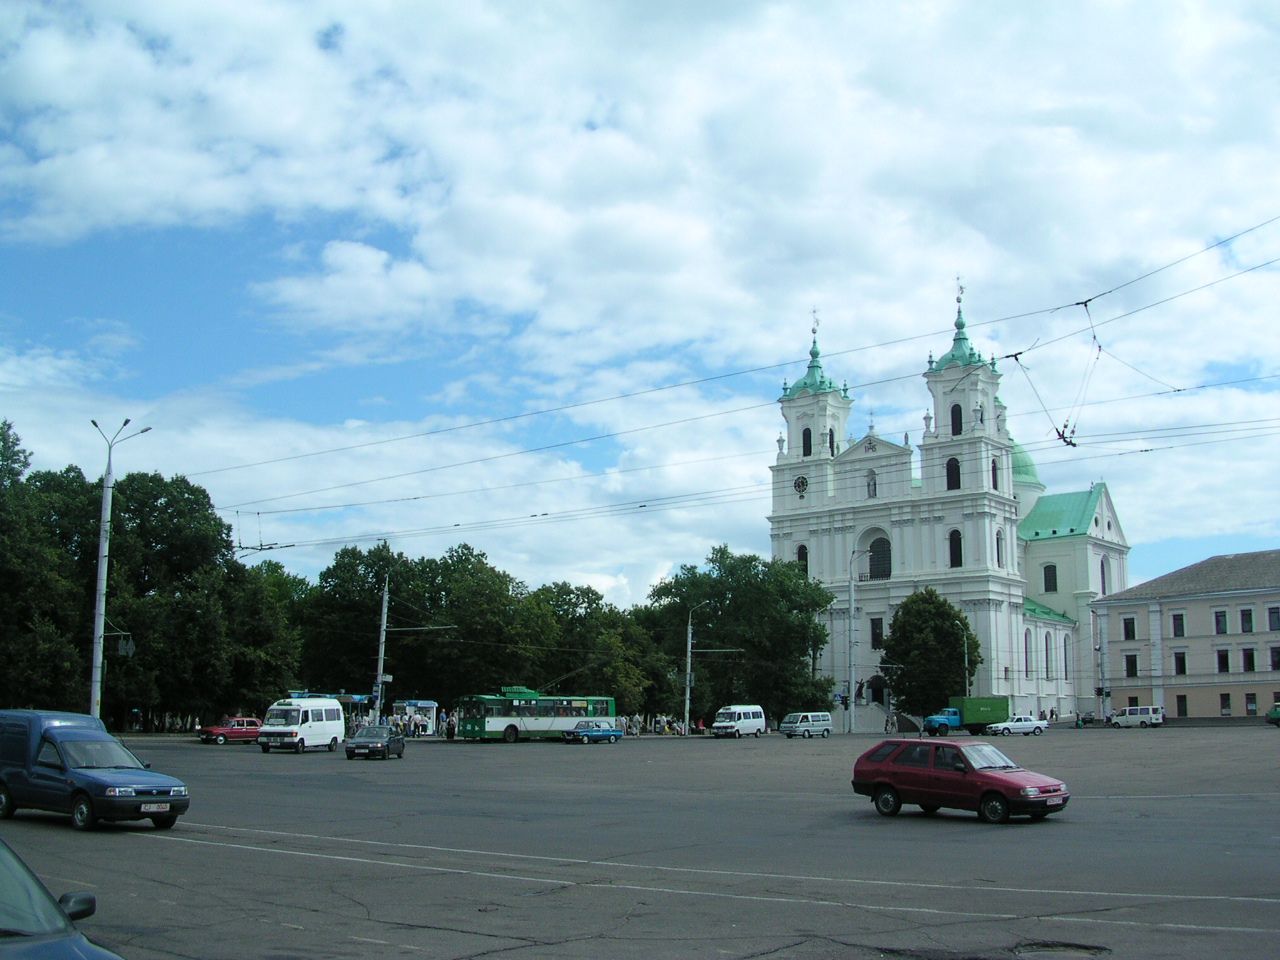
x=964, y=642
x=688, y=663
x=104, y=545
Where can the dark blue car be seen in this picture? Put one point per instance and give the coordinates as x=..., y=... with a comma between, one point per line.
x=593, y=731
x=68, y=763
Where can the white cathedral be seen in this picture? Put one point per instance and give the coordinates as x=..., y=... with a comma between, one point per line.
x=965, y=513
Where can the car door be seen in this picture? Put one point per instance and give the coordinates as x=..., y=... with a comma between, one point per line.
x=951, y=784
x=910, y=773
x=49, y=785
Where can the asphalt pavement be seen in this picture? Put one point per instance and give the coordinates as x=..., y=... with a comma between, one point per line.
x=662, y=847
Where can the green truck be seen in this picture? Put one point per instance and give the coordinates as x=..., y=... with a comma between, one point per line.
x=968, y=713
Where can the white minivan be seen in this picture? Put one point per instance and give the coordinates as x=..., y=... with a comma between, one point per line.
x=806, y=725
x=301, y=722
x=739, y=720
x=1138, y=717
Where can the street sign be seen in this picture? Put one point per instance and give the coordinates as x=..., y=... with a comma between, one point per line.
x=386, y=678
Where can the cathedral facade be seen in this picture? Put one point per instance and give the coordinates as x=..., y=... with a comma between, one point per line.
x=875, y=520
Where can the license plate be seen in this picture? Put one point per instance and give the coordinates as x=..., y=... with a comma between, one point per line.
x=1053, y=801
x=362, y=749
x=155, y=808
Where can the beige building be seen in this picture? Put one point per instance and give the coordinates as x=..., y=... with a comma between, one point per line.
x=1203, y=641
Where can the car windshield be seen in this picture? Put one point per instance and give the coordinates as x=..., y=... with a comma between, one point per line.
x=282, y=717
x=26, y=909
x=373, y=733
x=791, y=718
x=983, y=756
x=727, y=716
x=99, y=755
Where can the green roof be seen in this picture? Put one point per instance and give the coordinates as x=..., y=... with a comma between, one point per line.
x=1038, y=610
x=961, y=351
x=814, y=380
x=1024, y=468
x=1062, y=515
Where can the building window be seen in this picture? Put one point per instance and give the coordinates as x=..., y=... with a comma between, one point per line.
x=1182, y=705
x=881, y=559
x=806, y=443
x=1066, y=658
x=1250, y=663
x=1130, y=664
x=1246, y=621
x=957, y=551
x=1251, y=704
x=1051, y=580
x=1180, y=663
x=831, y=442
x=1026, y=654
x=953, y=474
x=1224, y=661
x=957, y=420
x=871, y=485
x=1133, y=701
x=1048, y=656
x=1275, y=658
x=995, y=475
x=1102, y=569
x=1273, y=618
x=877, y=633
x=802, y=558
x=1130, y=628
x=1179, y=625
x=1219, y=621
x=1224, y=704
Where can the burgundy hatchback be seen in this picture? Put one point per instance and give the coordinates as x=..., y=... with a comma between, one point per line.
x=964, y=775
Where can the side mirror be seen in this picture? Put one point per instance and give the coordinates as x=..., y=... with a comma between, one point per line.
x=146, y=764
x=79, y=905
x=960, y=767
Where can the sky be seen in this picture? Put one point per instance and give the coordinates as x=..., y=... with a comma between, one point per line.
x=530, y=276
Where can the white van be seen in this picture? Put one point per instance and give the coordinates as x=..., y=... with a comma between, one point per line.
x=301, y=722
x=806, y=725
x=1138, y=717
x=739, y=720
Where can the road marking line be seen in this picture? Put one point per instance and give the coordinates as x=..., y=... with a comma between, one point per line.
x=907, y=884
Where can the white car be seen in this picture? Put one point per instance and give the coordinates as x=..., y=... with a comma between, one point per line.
x=1025, y=725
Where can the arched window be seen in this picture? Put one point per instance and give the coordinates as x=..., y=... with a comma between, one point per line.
x=953, y=474
x=1000, y=548
x=831, y=441
x=1026, y=654
x=1103, y=567
x=957, y=551
x=1048, y=656
x=1050, y=578
x=871, y=484
x=995, y=474
x=806, y=443
x=802, y=558
x=957, y=420
x=881, y=559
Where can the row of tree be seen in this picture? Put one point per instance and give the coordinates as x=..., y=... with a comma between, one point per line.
x=193, y=632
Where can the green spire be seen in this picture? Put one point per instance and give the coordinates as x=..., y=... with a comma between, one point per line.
x=814, y=380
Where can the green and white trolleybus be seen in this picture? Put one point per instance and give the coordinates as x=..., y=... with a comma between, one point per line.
x=524, y=714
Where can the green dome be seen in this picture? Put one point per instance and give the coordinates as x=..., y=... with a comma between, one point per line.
x=1024, y=468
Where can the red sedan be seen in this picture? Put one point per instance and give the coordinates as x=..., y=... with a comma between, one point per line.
x=962, y=775
x=235, y=729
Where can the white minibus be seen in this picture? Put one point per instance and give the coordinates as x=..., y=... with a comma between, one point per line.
x=301, y=722
x=739, y=720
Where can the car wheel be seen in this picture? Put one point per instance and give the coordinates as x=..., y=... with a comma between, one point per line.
x=220, y=739
x=788, y=736
x=806, y=734
x=737, y=734
x=166, y=822
x=1142, y=724
x=613, y=739
x=825, y=734
x=887, y=802
x=82, y=815
x=993, y=808
x=1006, y=732
x=351, y=756
x=265, y=748
x=300, y=746
x=1038, y=730
x=511, y=734
x=1116, y=724
x=333, y=744
x=757, y=734
x=6, y=803
x=942, y=731
x=929, y=808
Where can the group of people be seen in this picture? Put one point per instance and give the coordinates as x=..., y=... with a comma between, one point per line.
x=660, y=725
x=413, y=725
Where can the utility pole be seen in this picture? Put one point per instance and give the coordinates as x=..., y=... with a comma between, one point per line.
x=378, y=686
x=104, y=547
x=688, y=664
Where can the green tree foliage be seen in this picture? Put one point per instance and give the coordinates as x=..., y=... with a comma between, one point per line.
x=924, y=653
x=764, y=612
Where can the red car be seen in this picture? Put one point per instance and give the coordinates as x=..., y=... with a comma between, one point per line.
x=236, y=729
x=962, y=775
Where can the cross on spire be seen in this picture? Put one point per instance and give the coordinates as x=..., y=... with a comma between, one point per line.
x=816, y=321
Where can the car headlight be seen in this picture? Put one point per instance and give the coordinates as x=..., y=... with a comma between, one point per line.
x=1030, y=791
x=120, y=791
x=178, y=792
